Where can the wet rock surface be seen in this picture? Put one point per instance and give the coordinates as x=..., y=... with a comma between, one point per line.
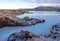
x=9, y=20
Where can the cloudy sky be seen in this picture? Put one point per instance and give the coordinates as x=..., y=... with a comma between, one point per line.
x=15, y=4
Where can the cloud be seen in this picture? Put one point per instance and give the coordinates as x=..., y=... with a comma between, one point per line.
x=26, y=3
x=9, y=4
x=47, y=1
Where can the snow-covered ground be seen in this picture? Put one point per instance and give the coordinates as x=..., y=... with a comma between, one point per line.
x=51, y=17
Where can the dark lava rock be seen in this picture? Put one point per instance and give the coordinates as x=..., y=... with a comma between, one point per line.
x=15, y=21
x=21, y=36
x=55, y=31
x=33, y=21
x=27, y=36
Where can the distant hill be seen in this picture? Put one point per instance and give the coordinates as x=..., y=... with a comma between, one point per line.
x=22, y=11
x=45, y=8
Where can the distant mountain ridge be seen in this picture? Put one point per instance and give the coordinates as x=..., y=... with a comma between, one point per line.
x=45, y=8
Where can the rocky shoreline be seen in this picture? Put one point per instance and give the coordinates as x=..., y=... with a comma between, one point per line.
x=13, y=11
x=12, y=20
x=28, y=36
x=22, y=11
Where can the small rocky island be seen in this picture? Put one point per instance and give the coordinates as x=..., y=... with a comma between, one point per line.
x=12, y=20
x=28, y=36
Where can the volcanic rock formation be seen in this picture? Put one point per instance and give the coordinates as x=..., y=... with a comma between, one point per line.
x=10, y=20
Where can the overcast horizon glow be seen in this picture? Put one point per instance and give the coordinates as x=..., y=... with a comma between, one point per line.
x=16, y=4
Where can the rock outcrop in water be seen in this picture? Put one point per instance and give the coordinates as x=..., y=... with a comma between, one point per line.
x=21, y=36
x=10, y=20
x=55, y=31
x=28, y=36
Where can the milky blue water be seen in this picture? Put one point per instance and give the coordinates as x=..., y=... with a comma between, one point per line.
x=51, y=18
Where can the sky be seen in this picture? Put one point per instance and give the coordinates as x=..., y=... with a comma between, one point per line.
x=15, y=4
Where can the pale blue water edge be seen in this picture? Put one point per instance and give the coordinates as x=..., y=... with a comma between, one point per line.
x=51, y=18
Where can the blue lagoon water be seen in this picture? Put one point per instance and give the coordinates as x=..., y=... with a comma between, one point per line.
x=51, y=18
